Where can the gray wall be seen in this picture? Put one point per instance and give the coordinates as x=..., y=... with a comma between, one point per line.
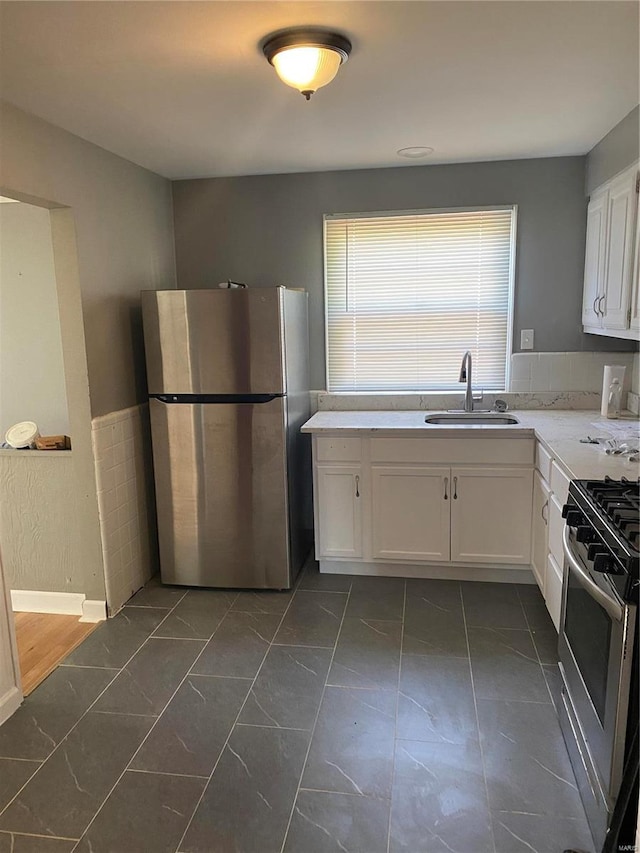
x=32, y=382
x=617, y=150
x=124, y=234
x=267, y=230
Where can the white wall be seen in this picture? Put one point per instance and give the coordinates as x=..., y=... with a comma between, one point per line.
x=32, y=385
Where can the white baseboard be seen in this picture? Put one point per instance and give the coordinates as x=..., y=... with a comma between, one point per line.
x=93, y=611
x=69, y=603
x=9, y=703
x=507, y=574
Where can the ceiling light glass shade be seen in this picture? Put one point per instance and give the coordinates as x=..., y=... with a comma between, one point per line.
x=306, y=60
x=307, y=69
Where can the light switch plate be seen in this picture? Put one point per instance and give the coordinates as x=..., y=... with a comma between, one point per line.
x=526, y=339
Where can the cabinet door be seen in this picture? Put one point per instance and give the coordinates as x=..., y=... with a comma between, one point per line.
x=621, y=221
x=410, y=513
x=338, y=511
x=594, y=259
x=539, y=528
x=635, y=281
x=491, y=515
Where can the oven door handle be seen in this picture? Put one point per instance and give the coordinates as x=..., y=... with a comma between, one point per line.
x=609, y=604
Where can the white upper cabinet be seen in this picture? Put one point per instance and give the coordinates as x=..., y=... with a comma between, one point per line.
x=635, y=284
x=594, y=258
x=610, y=296
x=622, y=208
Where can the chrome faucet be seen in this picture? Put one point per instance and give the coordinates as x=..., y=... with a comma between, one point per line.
x=465, y=376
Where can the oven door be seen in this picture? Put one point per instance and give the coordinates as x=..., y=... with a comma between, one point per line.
x=596, y=651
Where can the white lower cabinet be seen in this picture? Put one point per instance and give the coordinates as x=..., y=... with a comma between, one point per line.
x=388, y=501
x=338, y=491
x=491, y=515
x=410, y=513
x=553, y=590
x=540, y=529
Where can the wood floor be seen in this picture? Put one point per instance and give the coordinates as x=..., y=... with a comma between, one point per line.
x=44, y=639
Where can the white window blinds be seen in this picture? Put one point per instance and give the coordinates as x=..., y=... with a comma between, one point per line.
x=407, y=294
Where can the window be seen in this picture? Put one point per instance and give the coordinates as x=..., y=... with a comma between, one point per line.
x=406, y=294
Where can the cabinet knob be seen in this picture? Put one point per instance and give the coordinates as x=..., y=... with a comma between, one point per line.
x=357, y=485
x=446, y=487
x=455, y=488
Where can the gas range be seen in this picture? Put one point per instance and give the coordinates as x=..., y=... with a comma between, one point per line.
x=598, y=644
x=605, y=515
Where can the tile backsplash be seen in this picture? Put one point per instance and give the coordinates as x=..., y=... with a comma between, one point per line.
x=121, y=447
x=567, y=371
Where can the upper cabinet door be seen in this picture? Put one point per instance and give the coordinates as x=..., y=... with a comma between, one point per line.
x=621, y=220
x=635, y=283
x=594, y=262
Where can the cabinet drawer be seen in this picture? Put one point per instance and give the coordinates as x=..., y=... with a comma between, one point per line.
x=559, y=483
x=553, y=591
x=465, y=451
x=543, y=462
x=338, y=449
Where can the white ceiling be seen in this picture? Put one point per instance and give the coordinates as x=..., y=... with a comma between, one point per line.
x=183, y=89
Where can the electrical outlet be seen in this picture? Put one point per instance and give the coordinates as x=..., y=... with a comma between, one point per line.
x=526, y=339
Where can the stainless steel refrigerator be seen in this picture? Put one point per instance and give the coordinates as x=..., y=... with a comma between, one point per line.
x=227, y=375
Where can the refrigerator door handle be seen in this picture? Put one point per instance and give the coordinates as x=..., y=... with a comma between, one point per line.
x=194, y=399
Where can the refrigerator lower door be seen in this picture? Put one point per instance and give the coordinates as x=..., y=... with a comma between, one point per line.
x=221, y=493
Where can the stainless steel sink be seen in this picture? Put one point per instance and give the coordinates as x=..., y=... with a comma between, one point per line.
x=471, y=419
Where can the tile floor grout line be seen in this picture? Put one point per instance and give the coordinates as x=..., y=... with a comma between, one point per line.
x=315, y=723
x=275, y=728
x=82, y=716
x=157, y=719
x=475, y=705
x=347, y=794
x=395, y=727
x=35, y=835
x=233, y=726
x=165, y=773
x=535, y=648
x=359, y=687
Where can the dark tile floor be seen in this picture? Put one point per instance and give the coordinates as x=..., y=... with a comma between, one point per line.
x=354, y=714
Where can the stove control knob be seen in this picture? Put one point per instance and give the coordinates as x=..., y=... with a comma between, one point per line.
x=596, y=549
x=584, y=533
x=566, y=509
x=604, y=563
x=574, y=517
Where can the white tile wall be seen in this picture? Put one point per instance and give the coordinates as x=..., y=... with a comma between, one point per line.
x=568, y=371
x=121, y=451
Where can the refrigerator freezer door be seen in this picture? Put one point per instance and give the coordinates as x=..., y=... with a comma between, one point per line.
x=221, y=492
x=214, y=341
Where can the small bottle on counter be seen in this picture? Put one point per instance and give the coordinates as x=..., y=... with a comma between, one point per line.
x=614, y=399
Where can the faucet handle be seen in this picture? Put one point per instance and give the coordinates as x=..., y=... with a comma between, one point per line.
x=478, y=395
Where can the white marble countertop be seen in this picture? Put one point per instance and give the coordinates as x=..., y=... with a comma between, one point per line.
x=559, y=430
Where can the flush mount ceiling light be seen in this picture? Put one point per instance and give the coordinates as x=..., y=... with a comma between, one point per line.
x=415, y=152
x=307, y=59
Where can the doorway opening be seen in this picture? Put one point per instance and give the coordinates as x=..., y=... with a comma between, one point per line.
x=42, y=381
